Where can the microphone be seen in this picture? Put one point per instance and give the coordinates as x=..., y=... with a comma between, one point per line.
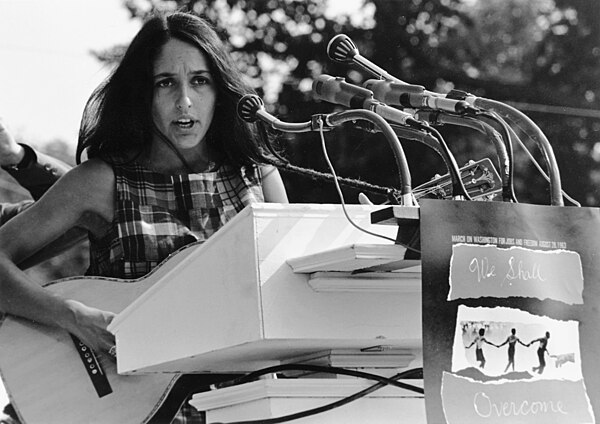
x=337, y=90
x=251, y=108
x=415, y=96
x=342, y=49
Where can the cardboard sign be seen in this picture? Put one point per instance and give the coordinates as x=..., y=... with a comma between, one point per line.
x=511, y=312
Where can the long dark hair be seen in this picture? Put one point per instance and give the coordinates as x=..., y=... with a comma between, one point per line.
x=117, y=120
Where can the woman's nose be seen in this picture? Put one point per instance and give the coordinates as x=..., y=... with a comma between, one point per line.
x=183, y=101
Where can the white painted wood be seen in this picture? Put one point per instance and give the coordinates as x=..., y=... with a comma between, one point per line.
x=384, y=361
x=235, y=305
x=274, y=398
x=397, y=281
x=348, y=258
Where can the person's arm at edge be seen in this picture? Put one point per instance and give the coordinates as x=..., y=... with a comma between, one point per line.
x=36, y=171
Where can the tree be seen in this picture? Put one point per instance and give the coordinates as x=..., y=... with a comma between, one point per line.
x=539, y=54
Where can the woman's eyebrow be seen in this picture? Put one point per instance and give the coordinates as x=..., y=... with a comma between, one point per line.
x=170, y=74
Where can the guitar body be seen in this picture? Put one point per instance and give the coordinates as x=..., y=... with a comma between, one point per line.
x=48, y=381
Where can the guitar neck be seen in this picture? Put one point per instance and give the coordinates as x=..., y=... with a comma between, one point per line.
x=480, y=178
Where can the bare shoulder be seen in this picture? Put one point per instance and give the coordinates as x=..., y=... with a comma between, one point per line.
x=273, y=187
x=93, y=172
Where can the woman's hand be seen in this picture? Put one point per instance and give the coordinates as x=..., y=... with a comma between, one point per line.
x=89, y=325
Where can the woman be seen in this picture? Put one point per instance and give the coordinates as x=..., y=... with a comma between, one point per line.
x=169, y=162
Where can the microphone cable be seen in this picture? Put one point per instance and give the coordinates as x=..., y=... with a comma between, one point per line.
x=342, y=116
x=542, y=172
x=283, y=164
x=381, y=382
x=459, y=192
x=438, y=117
x=525, y=124
x=341, y=195
x=415, y=373
x=508, y=192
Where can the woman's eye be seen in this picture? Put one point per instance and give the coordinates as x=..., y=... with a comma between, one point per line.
x=164, y=83
x=200, y=81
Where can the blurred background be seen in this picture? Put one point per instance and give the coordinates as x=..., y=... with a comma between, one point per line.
x=540, y=56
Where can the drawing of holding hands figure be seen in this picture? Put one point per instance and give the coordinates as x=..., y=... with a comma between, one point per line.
x=479, y=341
x=541, y=352
x=512, y=340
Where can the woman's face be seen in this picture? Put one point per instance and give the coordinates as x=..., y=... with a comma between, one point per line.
x=185, y=94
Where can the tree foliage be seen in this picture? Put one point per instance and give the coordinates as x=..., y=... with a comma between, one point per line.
x=542, y=55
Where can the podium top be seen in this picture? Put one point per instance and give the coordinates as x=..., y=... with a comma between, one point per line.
x=263, y=212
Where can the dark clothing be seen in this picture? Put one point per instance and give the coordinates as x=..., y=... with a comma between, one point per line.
x=511, y=352
x=36, y=173
x=541, y=352
x=479, y=354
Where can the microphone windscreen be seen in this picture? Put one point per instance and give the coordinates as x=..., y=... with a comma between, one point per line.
x=341, y=48
x=248, y=106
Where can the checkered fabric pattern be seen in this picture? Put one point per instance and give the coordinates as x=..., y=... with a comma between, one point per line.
x=157, y=214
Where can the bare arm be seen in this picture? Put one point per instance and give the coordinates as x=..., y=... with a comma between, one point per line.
x=272, y=184
x=82, y=198
x=67, y=241
x=505, y=341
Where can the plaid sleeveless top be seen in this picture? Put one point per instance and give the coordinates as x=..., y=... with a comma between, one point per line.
x=156, y=214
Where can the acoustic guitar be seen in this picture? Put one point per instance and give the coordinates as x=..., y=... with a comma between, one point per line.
x=52, y=378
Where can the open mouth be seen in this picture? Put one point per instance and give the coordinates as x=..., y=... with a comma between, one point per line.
x=184, y=123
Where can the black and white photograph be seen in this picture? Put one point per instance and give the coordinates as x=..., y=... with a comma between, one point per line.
x=312, y=211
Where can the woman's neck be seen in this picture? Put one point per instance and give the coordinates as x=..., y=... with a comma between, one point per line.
x=162, y=158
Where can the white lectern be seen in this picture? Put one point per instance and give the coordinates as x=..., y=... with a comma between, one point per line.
x=281, y=284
